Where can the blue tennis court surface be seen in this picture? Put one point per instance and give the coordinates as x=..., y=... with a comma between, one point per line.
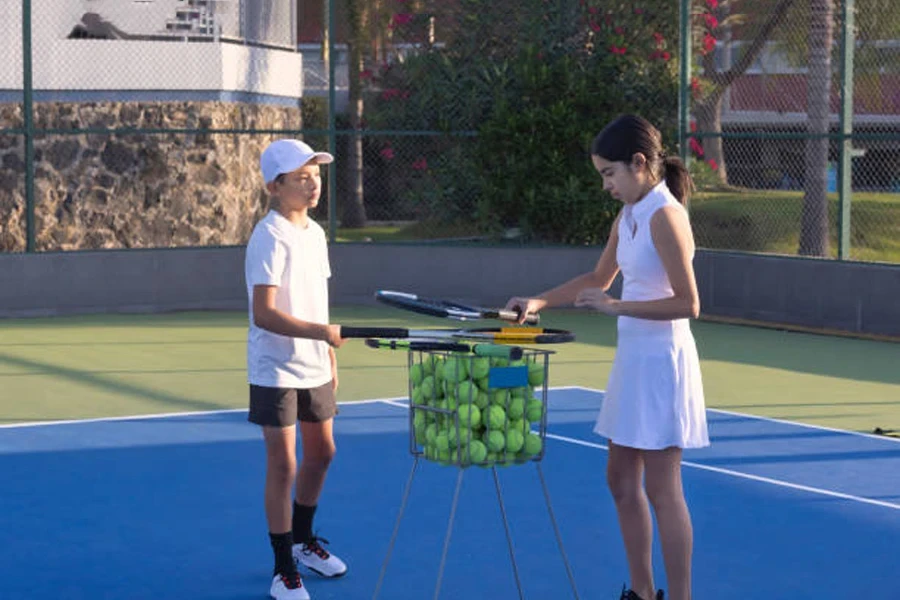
x=170, y=507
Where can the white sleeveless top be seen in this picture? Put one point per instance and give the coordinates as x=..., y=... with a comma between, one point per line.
x=643, y=274
x=654, y=396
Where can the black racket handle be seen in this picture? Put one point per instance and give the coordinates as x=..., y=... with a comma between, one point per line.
x=374, y=332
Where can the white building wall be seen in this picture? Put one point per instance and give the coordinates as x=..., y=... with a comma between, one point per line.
x=86, y=64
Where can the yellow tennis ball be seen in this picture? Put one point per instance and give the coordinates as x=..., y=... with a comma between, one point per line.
x=534, y=410
x=532, y=444
x=477, y=451
x=516, y=408
x=495, y=440
x=416, y=373
x=535, y=374
x=469, y=415
x=514, y=441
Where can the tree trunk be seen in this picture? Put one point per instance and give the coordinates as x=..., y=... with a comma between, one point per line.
x=709, y=119
x=354, y=208
x=814, y=220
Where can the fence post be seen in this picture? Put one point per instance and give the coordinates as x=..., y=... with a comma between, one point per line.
x=684, y=87
x=28, y=116
x=845, y=168
x=332, y=141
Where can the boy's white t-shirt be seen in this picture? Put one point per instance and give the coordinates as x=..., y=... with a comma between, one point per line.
x=296, y=261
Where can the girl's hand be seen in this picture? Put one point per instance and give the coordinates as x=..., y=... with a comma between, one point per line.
x=525, y=306
x=597, y=299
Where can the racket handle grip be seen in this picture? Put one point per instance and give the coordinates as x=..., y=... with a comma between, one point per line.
x=513, y=316
x=373, y=332
x=500, y=351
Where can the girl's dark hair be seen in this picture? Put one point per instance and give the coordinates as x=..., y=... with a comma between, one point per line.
x=627, y=135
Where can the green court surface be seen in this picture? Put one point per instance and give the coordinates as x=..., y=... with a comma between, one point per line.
x=116, y=365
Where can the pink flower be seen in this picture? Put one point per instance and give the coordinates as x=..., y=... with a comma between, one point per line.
x=696, y=147
x=713, y=164
x=420, y=164
x=365, y=74
x=665, y=55
x=712, y=4
x=592, y=10
x=711, y=21
x=618, y=49
x=401, y=19
x=619, y=30
x=658, y=37
x=594, y=27
x=639, y=11
x=387, y=153
x=709, y=43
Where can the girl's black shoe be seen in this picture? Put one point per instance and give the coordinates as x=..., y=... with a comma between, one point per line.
x=630, y=595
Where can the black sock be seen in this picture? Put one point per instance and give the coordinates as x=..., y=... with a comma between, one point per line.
x=302, y=522
x=284, y=559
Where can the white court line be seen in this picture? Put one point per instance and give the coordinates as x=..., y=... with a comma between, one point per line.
x=778, y=482
x=739, y=474
x=774, y=420
x=165, y=415
x=401, y=402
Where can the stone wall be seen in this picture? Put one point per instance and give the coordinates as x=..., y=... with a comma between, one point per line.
x=97, y=191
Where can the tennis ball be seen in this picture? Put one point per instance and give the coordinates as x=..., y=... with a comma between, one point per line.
x=499, y=361
x=519, y=425
x=459, y=438
x=466, y=391
x=496, y=417
x=480, y=367
x=516, y=408
x=421, y=434
x=417, y=397
x=482, y=383
x=428, y=365
x=441, y=441
x=498, y=397
x=514, y=440
x=477, y=451
x=419, y=418
x=469, y=415
x=534, y=410
x=455, y=369
x=481, y=399
x=532, y=444
x=495, y=440
x=535, y=374
x=431, y=432
x=427, y=388
x=416, y=373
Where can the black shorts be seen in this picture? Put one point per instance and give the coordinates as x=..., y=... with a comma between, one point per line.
x=282, y=407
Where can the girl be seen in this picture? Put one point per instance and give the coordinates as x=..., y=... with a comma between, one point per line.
x=654, y=406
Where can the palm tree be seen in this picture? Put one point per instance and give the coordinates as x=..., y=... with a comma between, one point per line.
x=814, y=220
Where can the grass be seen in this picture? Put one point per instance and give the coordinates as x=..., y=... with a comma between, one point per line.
x=769, y=221
x=765, y=221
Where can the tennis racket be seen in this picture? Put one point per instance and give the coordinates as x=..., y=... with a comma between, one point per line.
x=510, y=352
x=447, y=309
x=493, y=335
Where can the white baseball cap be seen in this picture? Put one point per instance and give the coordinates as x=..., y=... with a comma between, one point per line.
x=284, y=156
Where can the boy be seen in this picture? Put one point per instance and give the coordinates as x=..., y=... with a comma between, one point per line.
x=291, y=364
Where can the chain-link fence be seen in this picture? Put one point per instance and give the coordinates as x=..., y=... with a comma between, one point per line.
x=796, y=107
x=139, y=123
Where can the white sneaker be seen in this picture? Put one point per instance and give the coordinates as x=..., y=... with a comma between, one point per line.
x=288, y=588
x=318, y=560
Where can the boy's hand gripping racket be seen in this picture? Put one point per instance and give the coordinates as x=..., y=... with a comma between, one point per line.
x=447, y=309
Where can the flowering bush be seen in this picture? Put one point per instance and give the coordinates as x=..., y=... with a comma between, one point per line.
x=536, y=80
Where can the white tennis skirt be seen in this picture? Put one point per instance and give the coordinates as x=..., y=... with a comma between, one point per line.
x=654, y=398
